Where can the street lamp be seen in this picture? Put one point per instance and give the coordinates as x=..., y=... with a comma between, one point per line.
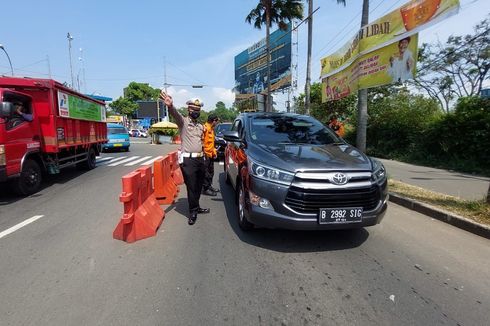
x=8, y=57
x=70, y=38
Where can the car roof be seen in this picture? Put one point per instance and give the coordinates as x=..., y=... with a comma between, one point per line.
x=271, y=114
x=114, y=125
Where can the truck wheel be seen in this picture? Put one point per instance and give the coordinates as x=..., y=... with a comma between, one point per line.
x=243, y=223
x=91, y=161
x=29, y=180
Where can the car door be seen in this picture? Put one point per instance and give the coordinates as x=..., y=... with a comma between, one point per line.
x=233, y=148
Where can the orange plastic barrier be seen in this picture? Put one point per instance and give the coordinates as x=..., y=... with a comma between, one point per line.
x=165, y=188
x=176, y=171
x=142, y=215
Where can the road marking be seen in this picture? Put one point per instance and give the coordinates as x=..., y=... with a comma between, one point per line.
x=138, y=161
x=151, y=161
x=126, y=160
x=102, y=159
x=20, y=225
x=113, y=160
x=221, y=163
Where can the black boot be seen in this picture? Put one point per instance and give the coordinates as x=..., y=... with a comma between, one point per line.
x=213, y=189
x=203, y=210
x=209, y=192
x=192, y=219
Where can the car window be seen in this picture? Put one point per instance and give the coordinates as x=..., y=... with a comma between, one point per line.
x=114, y=131
x=290, y=130
x=222, y=127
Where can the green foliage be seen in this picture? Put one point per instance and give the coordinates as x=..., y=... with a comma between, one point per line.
x=461, y=138
x=123, y=106
x=141, y=92
x=164, y=131
x=223, y=113
x=280, y=11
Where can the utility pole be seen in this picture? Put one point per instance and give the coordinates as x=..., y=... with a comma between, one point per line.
x=362, y=114
x=308, y=63
x=268, y=5
x=49, y=66
x=70, y=38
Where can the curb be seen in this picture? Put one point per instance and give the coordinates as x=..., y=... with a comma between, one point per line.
x=438, y=214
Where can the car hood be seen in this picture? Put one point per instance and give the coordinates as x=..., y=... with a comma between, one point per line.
x=296, y=158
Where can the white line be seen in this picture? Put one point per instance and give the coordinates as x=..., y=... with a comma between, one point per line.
x=124, y=161
x=151, y=161
x=137, y=161
x=20, y=225
x=114, y=160
x=103, y=159
x=221, y=163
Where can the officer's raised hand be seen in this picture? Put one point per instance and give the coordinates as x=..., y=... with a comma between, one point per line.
x=167, y=99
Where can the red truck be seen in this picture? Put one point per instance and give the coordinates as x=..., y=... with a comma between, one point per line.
x=44, y=127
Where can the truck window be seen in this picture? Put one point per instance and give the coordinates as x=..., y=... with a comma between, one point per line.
x=20, y=104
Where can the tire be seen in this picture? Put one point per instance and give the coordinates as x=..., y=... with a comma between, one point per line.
x=243, y=223
x=91, y=161
x=30, y=179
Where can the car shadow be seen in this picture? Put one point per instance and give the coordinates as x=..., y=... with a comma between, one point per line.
x=286, y=240
x=7, y=195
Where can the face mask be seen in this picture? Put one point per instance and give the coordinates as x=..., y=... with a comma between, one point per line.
x=194, y=114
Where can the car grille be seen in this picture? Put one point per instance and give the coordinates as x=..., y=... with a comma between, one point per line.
x=307, y=195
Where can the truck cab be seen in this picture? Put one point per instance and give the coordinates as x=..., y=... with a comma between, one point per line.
x=44, y=127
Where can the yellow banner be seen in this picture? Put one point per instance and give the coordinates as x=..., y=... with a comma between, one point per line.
x=407, y=20
x=391, y=64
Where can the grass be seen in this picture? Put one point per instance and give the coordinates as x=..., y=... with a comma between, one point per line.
x=476, y=210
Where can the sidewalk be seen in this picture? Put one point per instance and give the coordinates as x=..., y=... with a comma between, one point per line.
x=465, y=186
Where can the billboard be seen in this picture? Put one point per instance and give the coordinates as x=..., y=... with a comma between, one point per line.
x=251, y=65
x=404, y=21
x=391, y=64
x=70, y=106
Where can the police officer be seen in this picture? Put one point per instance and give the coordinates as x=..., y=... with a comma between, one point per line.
x=192, y=162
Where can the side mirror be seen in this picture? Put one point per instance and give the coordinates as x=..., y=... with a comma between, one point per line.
x=6, y=109
x=232, y=136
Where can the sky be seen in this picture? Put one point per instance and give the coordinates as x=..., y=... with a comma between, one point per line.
x=193, y=41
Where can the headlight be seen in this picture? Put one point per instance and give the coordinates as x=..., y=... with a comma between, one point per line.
x=379, y=171
x=268, y=173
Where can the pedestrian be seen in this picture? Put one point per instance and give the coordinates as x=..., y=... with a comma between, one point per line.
x=336, y=126
x=191, y=152
x=210, y=154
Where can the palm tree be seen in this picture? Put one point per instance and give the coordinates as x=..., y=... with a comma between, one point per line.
x=270, y=12
x=308, y=63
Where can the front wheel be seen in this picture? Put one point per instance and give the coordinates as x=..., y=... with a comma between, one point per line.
x=243, y=223
x=30, y=179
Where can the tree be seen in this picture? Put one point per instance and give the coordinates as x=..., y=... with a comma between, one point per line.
x=123, y=106
x=223, y=113
x=308, y=61
x=141, y=92
x=268, y=12
x=457, y=68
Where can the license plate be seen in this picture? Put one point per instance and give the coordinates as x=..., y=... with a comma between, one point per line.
x=340, y=215
x=117, y=145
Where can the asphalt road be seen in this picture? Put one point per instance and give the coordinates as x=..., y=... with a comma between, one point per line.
x=65, y=269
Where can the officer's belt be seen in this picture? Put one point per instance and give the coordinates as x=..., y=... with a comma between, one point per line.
x=200, y=154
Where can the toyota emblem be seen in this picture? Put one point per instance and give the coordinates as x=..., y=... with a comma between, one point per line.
x=339, y=179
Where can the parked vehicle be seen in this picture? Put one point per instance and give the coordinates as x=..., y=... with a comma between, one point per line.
x=138, y=133
x=290, y=171
x=219, y=142
x=58, y=128
x=118, y=138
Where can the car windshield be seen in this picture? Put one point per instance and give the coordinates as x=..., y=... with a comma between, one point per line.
x=115, y=131
x=290, y=130
x=222, y=127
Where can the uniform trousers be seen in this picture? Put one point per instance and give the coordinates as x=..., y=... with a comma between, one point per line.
x=208, y=172
x=193, y=173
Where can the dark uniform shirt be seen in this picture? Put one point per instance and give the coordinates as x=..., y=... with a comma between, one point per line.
x=190, y=132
